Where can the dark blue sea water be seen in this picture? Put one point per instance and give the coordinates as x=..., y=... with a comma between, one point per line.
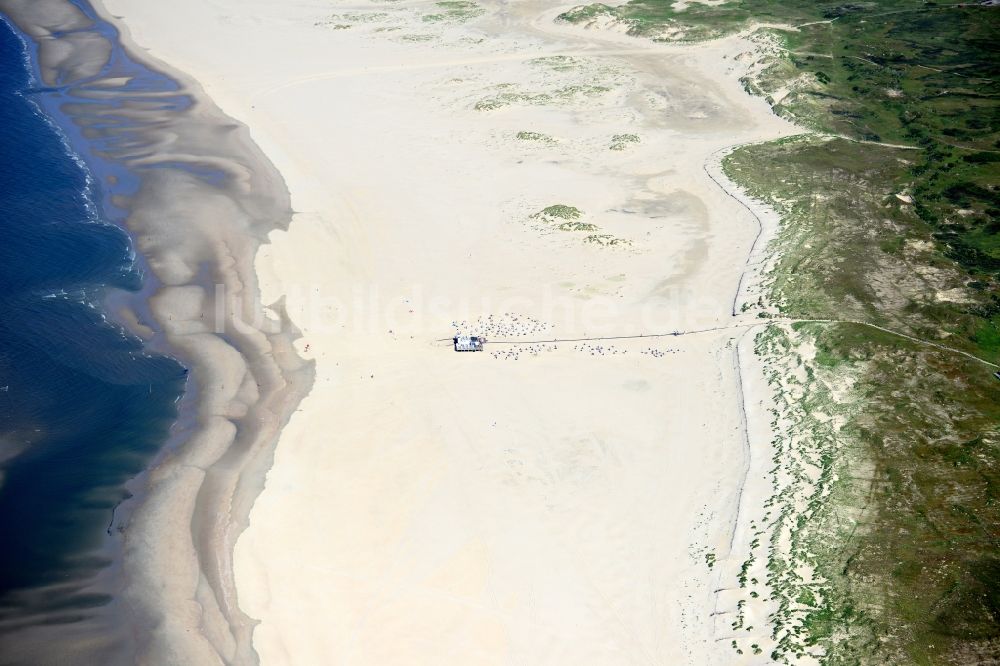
x=83, y=408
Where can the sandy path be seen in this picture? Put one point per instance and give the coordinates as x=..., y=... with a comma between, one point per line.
x=550, y=506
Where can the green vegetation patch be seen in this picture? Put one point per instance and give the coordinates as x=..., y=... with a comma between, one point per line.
x=503, y=99
x=365, y=17
x=567, y=218
x=606, y=240
x=534, y=136
x=509, y=96
x=658, y=20
x=577, y=226
x=559, y=63
x=456, y=11
x=623, y=141
x=581, y=90
x=350, y=19
x=560, y=212
x=333, y=25
x=903, y=463
x=851, y=247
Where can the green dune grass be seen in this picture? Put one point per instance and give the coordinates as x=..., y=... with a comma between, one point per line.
x=891, y=214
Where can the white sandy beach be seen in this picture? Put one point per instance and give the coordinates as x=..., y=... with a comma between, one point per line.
x=534, y=504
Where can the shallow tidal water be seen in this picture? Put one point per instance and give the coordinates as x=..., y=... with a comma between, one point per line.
x=83, y=408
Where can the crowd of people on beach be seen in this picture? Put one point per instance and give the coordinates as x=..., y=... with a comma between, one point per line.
x=658, y=353
x=508, y=325
x=599, y=349
x=514, y=352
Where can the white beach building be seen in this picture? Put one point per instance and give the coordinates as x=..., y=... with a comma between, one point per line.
x=468, y=343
